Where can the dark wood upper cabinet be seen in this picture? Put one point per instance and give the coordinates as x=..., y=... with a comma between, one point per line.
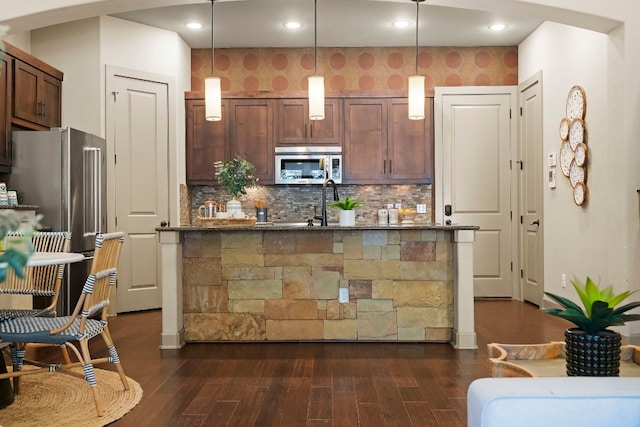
x=381, y=144
x=365, y=140
x=6, y=65
x=410, y=143
x=295, y=128
x=205, y=142
x=37, y=96
x=252, y=134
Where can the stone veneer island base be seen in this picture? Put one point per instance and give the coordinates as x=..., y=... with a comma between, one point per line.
x=282, y=283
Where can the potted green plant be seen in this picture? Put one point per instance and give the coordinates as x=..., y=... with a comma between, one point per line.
x=347, y=214
x=591, y=348
x=235, y=177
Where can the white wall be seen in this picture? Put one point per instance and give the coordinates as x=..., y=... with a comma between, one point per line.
x=83, y=49
x=599, y=239
x=74, y=49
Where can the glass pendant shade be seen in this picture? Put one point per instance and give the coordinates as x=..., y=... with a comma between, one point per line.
x=416, y=97
x=212, y=99
x=316, y=97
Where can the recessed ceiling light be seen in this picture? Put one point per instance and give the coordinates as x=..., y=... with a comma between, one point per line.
x=292, y=25
x=194, y=25
x=498, y=27
x=401, y=24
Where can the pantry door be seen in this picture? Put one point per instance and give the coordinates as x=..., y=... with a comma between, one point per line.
x=138, y=129
x=475, y=138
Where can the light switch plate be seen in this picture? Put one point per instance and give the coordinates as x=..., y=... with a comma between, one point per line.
x=552, y=160
x=552, y=178
x=343, y=295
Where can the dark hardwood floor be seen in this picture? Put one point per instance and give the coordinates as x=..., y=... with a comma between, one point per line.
x=315, y=384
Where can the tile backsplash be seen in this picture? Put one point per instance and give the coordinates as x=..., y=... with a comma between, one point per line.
x=295, y=203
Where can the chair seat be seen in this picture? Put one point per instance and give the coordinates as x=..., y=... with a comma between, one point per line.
x=37, y=330
x=11, y=313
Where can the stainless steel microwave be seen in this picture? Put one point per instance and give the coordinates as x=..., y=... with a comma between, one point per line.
x=308, y=165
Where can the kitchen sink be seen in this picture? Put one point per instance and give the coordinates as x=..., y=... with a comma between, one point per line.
x=301, y=224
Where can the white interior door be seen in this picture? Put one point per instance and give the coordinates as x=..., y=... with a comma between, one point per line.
x=141, y=177
x=474, y=187
x=531, y=183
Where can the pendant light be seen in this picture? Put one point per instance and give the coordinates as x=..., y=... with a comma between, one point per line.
x=212, y=92
x=316, y=82
x=416, y=83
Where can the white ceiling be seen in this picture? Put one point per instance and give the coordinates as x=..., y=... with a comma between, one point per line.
x=340, y=23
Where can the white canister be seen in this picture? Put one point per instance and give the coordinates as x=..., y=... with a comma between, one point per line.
x=383, y=216
x=12, y=198
x=393, y=216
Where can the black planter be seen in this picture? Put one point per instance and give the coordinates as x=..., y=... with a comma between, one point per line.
x=592, y=355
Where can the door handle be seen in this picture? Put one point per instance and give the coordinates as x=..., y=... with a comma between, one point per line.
x=536, y=222
x=164, y=224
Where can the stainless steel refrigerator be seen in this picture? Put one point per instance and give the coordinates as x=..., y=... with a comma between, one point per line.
x=63, y=171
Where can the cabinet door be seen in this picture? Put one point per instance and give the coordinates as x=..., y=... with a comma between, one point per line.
x=5, y=107
x=252, y=135
x=205, y=142
x=327, y=131
x=50, y=94
x=295, y=128
x=26, y=105
x=37, y=96
x=365, y=140
x=293, y=121
x=409, y=149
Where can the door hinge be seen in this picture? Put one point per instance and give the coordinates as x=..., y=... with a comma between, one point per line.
x=521, y=273
x=520, y=162
x=116, y=221
x=510, y=215
x=521, y=219
x=520, y=110
x=115, y=159
x=511, y=265
x=115, y=95
x=509, y=112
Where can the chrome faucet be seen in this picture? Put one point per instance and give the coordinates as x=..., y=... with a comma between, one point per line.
x=323, y=217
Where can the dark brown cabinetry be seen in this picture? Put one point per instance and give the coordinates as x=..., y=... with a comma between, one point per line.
x=294, y=126
x=37, y=95
x=251, y=123
x=30, y=97
x=6, y=63
x=381, y=144
x=205, y=142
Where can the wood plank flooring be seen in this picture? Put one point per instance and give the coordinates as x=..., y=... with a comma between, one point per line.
x=315, y=384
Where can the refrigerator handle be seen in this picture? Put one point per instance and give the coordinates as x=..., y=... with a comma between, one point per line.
x=93, y=188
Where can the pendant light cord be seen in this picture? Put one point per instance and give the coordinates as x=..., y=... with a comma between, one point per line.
x=417, y=17
x=315, y=37
x=212, y=44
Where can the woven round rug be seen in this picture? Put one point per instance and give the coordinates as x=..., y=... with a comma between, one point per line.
x=56, y=399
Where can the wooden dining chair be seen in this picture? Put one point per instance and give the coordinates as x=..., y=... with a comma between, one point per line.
x=88, y=320
x=41, y=282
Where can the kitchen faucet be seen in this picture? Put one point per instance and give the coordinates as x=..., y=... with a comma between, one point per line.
x=323, y=217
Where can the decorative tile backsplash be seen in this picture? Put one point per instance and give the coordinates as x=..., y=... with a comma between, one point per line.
x=295, y=203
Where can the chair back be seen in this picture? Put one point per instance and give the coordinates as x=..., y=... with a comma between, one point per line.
x=96, y=293
x=41, y=280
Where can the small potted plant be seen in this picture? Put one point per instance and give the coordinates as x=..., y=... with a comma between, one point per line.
x=347, y=214
x=591, y=348
x=235, y=176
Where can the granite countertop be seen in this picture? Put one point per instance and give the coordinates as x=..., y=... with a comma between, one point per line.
x=20, y=207
x=300, y=226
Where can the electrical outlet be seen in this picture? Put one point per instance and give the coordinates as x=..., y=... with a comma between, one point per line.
x=563, y=280
x=343, y=295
